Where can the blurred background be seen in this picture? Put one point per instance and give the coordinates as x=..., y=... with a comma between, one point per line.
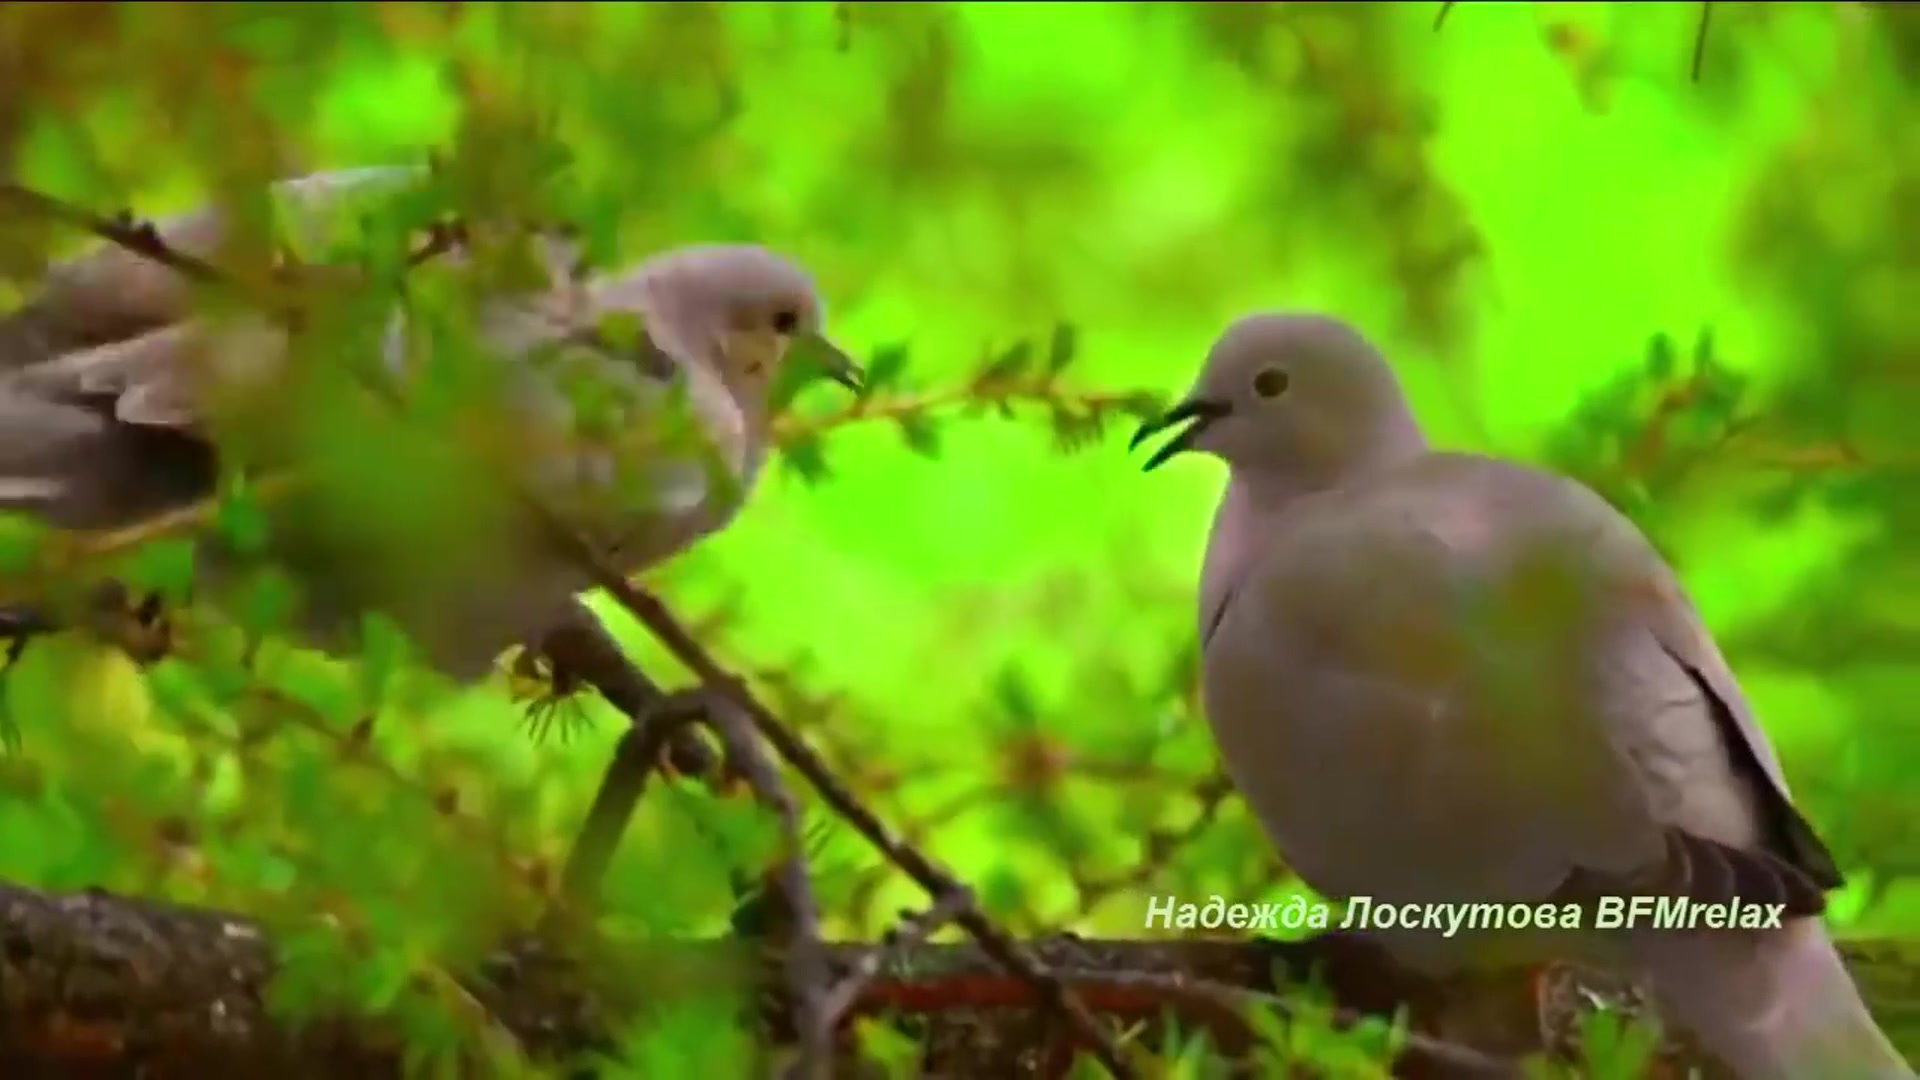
x=1683, y=268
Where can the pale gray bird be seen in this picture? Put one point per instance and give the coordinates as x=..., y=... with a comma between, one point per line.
x=1444, y=678
x=108, y=375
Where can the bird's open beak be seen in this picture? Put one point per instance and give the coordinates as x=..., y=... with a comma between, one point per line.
x=1196, y=413
x=834, y=361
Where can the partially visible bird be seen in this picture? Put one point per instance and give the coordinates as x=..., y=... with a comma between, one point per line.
x=117, y=394
x=1440, y=678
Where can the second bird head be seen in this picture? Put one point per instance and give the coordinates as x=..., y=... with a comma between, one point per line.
x=745, y=309
x=1301, y=394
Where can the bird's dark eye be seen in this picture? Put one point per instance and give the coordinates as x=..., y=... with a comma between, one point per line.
x=785, y=321
x=1270, y=382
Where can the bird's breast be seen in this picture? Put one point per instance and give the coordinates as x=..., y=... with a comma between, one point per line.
x=1359, y=686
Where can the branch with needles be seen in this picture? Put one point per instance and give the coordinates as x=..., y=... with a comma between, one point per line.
x=725, y=690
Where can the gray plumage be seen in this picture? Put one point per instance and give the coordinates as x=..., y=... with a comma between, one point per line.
x=106, y=379
x=1444, y=678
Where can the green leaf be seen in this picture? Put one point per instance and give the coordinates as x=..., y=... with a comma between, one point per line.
x=621, y=330
x=597, y=404
x=9, y=728
x=384, y=652
x=310, y=959
x=722, y=484
x=1014, y=695
x=1704, y=357
x=383, y=977
x=1008, y=365
x=1003, y=891
x=1660, y=357
x=884, y=370
x=1614, y=1045
x=921, y=433
x=164, y=566
x=689, y=1034
x=741, y=832
x=241, y=520
x=1063, y=349
x=268, y=601
x=807, y=457
x=21, y=537
x=896, y=1054
x=1076, y=431
x=1144, y=405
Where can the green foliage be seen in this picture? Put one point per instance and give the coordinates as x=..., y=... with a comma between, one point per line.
x=1694, y=296
x=1612, y=1045
x=894, y=1053
x=21, y=537
x=687, y=1038
x=1005, y=384
x=1307, y=1037
x=162, y=568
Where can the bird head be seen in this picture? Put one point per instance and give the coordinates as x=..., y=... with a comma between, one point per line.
x=1301, y=395
x=744, y=311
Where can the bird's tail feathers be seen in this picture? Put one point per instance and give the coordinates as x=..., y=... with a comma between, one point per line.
x=1778, y=1006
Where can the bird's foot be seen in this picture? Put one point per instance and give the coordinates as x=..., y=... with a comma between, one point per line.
x=553, y=694
x=141, y=628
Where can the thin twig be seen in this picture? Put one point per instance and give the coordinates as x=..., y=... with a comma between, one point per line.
x=995, y=942
x=806, y=958
x=443, y=237
x=596, y=658
x=789, y=428
x=1700, y=38
x=909, y=932
x=1440, y=18
x=142, y=240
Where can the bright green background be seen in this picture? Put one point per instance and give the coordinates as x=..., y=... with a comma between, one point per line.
x=1514, y=206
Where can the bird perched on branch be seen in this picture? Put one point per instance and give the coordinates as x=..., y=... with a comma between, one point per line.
x=633, y=405
x=1446, y=679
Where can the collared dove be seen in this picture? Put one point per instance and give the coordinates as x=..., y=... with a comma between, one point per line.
x=1440, y=678
x=106, y=378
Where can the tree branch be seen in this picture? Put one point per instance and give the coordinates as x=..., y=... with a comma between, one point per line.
x=97, y=985
x=993, y=941
x=806, y=964
x=912, y=932
x=144, y=240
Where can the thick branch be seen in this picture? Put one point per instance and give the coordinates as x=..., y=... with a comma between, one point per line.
x=95, y=985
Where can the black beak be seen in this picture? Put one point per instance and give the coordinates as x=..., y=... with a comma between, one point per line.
x=837, y=364
x=1196, y=412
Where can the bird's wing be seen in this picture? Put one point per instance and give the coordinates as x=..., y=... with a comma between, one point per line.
x=105, y=437
x=1779, y=1003
x=111, y=294
x=104, y=366
x=1714, y=783
x=1514, y=699
x=112, y=343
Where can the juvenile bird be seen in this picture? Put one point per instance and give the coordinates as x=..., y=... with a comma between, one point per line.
x=111, y=380
x=1442, y=678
